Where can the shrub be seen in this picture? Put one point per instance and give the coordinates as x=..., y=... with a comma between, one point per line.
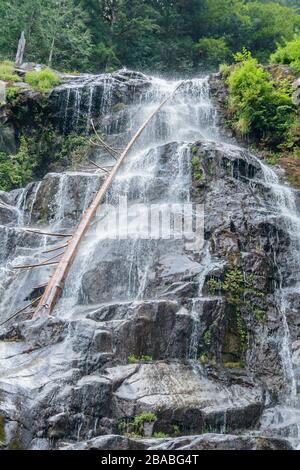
x=260, y=107
x=288, y=55
x=7, y=72
x=16, y=170
x=42, y=81
x=139, y=421
x=225, y=70
x=74, y=148
x=12, y=95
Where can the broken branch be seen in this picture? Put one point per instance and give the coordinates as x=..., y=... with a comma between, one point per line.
x=98, y=166
x=40, y=265
x=55, y=249
x=21, y=310
x=49, y=234
x=110, y=150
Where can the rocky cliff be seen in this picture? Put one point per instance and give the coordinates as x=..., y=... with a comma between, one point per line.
x=155, y=343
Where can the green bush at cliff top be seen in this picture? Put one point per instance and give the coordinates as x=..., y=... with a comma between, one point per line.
x=288, y=55
x=16, y=170
x=42, y=81
x=259, y=107
x=7, y=72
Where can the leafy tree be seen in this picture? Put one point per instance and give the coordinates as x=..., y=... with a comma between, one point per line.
x=16, y=170
x=213, y=51
x=165, y=35
x=266, y=25
x=55, y=31
x=288, y=54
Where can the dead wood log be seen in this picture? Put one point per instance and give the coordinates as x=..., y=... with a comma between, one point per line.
x=49, y=234
x=39, y=265
x=54, y=288
x=21, y=311
x=60, y=247
x=98, y=166
x=103, y=144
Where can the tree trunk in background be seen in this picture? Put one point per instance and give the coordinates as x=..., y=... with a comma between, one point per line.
x=21, y=50
x=51, y=52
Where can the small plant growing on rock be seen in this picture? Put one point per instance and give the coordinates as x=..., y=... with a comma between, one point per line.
x=233, y=365
x=234, y=287
x=203, y=359
x=176, y=431
x=207, y=338
x=138, y=423
x=197, y=173
x=259, y=315
x=195, y=161
x=214, y=286
x=133, y=359
x=160, y=435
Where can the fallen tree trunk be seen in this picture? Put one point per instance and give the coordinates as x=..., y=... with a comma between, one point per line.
x=54, y=288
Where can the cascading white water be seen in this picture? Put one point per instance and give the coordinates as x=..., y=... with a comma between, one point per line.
x=147, y=177
x=287, y=415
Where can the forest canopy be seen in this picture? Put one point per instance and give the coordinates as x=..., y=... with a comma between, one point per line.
x=161, y=35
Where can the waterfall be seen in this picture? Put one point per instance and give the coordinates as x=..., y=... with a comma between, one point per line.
x=124, y=258
x=145, y=178
x=286, y=415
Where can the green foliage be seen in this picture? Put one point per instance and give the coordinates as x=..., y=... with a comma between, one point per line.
x=56, y=31
x=160, y=435
x=12, y=95
x=259, y=107
x=2, y=429
x=265, y=25
x=289, y=54
x=212, y=51
x=15, y=445
x=260, y=315
x=214, y=286
x=176, y=431
x=232, y=365
x=74, y=148
x=195, y=160
x=203, y=359
x=16, y=170
x=139, y=421
x=197, y=172
x=224, y=70
x=235, y=286
x=207, y=338
x=42, y=81
x=7, y=73
x=133, y=359
x=145, y=34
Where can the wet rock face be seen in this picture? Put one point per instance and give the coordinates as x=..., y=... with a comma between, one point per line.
x=97, y=97
x=8, y=213
x=200, y=349
x=243, y=234
x=45, y=203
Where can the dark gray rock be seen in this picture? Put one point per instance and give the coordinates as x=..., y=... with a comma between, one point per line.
x=222, y=442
